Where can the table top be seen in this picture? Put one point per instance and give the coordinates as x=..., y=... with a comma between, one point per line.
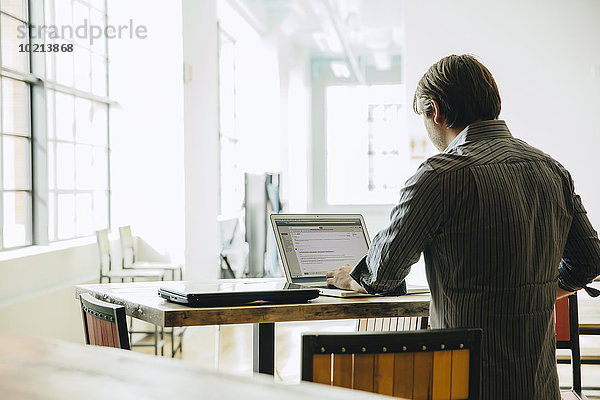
x=46, y=369
x=142, y=301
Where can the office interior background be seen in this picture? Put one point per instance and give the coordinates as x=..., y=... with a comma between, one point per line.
x=158, y=132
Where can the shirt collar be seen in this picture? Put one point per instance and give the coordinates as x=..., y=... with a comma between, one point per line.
x=491, y=129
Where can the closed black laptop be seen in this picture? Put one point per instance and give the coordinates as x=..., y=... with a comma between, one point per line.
x=236, y=293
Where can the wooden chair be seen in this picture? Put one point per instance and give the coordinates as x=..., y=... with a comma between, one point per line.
x=392, y=324
x=436, y=363
x=104, y=324
x=566, y=321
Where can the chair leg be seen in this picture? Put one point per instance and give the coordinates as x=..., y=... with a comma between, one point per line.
x=217, y=346
x=162, y=341
x=181, y=341
x=155, y=340
x=173, y=336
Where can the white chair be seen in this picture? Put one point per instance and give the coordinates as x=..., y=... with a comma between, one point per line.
x=234, y=251
x=131, y=262
x=107, y=272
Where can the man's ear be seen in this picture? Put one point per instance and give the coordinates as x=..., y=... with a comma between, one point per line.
x=437, y=117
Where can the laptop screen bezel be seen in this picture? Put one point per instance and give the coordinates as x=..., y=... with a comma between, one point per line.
x=309, y=217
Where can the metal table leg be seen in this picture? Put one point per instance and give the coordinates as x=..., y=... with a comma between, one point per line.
x=263, y=348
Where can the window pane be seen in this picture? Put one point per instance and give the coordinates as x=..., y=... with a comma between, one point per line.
x=98, y=19
x=99, y=4
x=49, y=12
x=51, y=216
x=83, y=121
x=51, y=166
x=100, y=210
x=84, y=214
x=84, y=167
x=100, y=168
x=64, y=67
x=51, y=62
x=83, y=69
x=17, y=219
x=63, y=12
x=81, y=13
x=100, y=125
x=13, y=34
x=64, y=116
x=66, y=216
x=50, y=115
x=15, y=107
x=98, y=75
x=368, y=122
x=15, y=8
x=65, y=166
x=15, y=163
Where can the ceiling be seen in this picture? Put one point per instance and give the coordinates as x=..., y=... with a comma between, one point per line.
x=336, y=29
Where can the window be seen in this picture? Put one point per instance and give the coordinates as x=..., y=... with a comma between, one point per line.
x=77, y=124
x=15, y=130
x=77, y=166
x=231, y=175
x=367, y=155
x=60, y=100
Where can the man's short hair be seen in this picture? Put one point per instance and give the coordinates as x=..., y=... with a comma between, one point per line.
x=464, y=89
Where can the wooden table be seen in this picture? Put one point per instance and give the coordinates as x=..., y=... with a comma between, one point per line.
x=45, y=369
x=142, y=301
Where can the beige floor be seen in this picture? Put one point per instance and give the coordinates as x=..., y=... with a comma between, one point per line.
x=235, y=350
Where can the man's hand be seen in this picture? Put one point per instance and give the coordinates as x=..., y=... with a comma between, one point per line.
x=560, y=293
x=340, y=278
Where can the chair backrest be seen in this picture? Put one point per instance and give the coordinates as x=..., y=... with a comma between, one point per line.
x=566, y=323
x=426, y=364
x=127, y=246
x=104, y=324
x=103, y=251
x=392, y=324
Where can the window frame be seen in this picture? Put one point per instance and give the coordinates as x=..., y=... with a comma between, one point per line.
x=39, y=84
x=28, y=79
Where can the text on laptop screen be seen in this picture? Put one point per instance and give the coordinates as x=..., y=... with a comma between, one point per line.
x=312, y=248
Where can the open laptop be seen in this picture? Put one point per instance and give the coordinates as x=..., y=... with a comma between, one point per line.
x=236, y=292
x=312, y=244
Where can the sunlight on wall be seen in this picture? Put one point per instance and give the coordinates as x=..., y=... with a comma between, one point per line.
x=146, y=134
x=367, y=146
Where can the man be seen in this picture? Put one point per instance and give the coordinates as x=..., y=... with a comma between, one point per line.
x=502, y=231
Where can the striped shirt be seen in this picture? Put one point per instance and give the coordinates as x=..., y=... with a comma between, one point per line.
x=500, y=226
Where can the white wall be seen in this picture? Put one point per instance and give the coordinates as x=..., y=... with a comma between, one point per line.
x=546, y=60
x=36, y=290
x=295, y=94
x=146, y=128
x=201, y=139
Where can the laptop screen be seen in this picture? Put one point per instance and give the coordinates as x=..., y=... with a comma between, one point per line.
x=313, y=246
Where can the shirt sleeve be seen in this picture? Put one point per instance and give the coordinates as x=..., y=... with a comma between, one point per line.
x=413, y=223
x=580, y=263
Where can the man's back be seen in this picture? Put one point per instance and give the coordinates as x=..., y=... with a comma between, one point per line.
x=501, y=228
x=494, y=261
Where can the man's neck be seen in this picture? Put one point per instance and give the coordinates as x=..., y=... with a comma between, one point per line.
x=449, y=134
